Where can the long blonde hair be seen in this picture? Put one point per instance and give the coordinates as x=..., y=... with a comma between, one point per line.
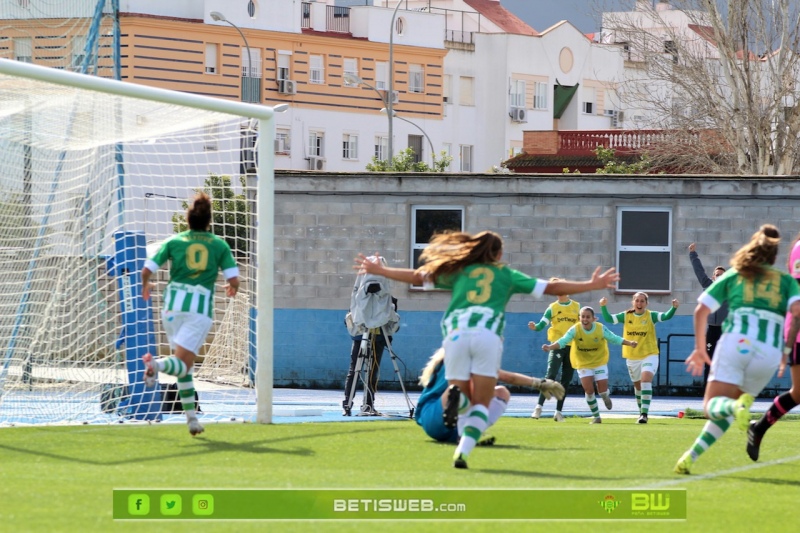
x=762, y=249
x=430, y=367
x=450, y=252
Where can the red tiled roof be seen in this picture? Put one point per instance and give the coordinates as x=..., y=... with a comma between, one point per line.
x=506, y=20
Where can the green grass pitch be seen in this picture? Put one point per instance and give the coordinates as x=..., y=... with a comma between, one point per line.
x=61, y=478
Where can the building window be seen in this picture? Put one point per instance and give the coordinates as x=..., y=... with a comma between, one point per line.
x=415, y=143
x=381, y=148
x=381, y=76
x=283, y=142
x=316, y=144
x=644, y=249
x=23, y=49
x=587, y=104
x=211, y=137
x=466, y=158
x=317, y=70
x=78, y=52
x=251, y=62
x=416, y=79
x=518, y=93
x=350, y=72
x=539, y=95
x=284, y=70
x=466, y=90
x=427, y=221
x=349, y=146
x=212, y=55
x=672, y=50
x=446, y=80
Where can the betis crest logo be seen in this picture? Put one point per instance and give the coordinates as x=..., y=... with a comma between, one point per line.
x=609, y=503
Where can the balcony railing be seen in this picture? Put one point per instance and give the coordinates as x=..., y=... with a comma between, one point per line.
x=337, y=18
x=621, y=141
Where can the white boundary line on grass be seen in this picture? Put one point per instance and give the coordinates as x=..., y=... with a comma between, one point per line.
x=688, y=479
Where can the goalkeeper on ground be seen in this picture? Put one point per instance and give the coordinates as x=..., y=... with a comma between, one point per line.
x=439, y=405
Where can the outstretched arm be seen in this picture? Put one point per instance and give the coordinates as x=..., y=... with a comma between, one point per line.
x=697, y=266
x=600, y=280
x=364, y=266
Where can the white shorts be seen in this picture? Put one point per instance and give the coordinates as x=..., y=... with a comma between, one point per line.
x=744, y=362
x=472, y=351
x=187, y=330
x=599, y=373
x=637, y=366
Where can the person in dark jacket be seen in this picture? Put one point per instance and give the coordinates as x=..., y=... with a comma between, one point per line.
x=715, y=319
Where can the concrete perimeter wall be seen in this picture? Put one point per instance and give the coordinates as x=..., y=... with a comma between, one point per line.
x=552, y=225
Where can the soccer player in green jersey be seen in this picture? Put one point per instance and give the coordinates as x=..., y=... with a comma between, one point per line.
x=750, y=348
x=196, y=257
x=642, y=361
x=589, y=356
x=560, y=316
x=469, y=266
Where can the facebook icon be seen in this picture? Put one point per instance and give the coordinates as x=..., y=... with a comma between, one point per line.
x=138, y=504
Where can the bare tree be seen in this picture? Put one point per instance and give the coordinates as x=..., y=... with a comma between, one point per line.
x=721, y=74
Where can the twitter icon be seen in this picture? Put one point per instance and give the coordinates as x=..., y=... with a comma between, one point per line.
x=171, y=504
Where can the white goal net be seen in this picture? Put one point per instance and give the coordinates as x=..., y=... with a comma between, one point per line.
x=93, y=176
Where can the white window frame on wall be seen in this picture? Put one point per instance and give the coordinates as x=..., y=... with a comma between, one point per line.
x=644, y=249
x=456, y=211
x=316, y=69
x=588, y=105
x=211, y=59
x=78, y=52
x=23, y=49
x=466, y=90
x=447, y=81
x=316, y=144
x=540, y=95
x=381, y=75
x=283, y=141
x=349, y=146
x=518, y=93
x=350, y=71
x=416, y=79
x=465, y=156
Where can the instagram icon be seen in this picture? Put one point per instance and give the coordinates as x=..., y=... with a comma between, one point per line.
x=203, y=504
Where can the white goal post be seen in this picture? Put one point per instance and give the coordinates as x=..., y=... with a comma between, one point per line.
x=94, y=174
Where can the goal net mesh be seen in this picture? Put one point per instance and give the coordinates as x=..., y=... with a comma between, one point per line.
x=91, y=184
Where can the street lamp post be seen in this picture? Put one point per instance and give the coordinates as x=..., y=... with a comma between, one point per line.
x=390, y=92
x=219, y=17
x=433, y=151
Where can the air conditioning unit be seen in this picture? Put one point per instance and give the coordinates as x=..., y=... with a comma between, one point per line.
x=395, y=96
x=287, y=87
x=316, y=163
x=519, y=114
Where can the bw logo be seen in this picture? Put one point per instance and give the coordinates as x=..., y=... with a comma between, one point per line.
x=641, y=501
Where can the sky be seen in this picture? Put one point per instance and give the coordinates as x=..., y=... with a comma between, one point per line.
x=583, y=14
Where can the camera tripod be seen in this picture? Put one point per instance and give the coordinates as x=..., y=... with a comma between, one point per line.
x=366, y=367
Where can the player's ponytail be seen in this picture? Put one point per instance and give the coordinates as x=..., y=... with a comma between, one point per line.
x=198, y=215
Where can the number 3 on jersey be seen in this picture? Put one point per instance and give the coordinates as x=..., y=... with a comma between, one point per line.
x=197, y=258
x=483, y=279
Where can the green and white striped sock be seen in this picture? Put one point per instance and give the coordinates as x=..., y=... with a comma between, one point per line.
x=173, y=366
x=720, y=407
x=647, y=396
x=591, y=400
x=712, y=432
